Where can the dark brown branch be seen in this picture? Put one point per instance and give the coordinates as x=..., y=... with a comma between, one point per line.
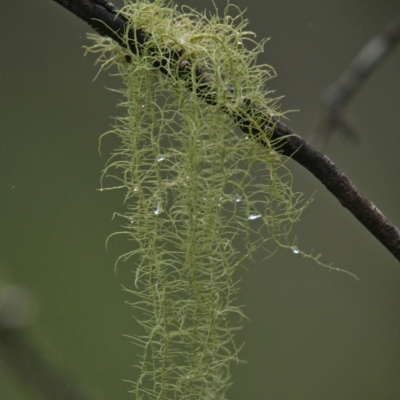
x=101, y=16
x=339, y=93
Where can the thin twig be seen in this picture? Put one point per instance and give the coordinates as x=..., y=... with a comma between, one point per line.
x=19, y=352
x=102, y=17
x=339, y=93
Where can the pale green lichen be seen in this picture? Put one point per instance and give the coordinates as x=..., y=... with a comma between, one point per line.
x=200, y=197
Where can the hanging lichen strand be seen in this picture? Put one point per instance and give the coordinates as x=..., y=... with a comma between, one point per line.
x=200, y=198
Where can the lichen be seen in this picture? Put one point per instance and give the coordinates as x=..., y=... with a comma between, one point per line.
x=200, y=196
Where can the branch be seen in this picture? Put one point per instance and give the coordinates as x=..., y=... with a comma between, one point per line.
x=21, y=354
x=103, y=17
x=338, y=94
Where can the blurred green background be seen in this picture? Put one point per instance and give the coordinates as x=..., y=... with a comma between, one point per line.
x=311, y=334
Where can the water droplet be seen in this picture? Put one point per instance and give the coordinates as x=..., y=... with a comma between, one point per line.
x=295, y=250
x=186, y=180
x=157, y=210
x=159, y=159
x=135, y=188
x=238, y=198
x=254, y=216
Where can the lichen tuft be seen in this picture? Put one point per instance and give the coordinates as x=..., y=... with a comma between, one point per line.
x=200, y=197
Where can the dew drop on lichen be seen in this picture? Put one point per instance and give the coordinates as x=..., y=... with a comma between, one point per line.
x=157, y=210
